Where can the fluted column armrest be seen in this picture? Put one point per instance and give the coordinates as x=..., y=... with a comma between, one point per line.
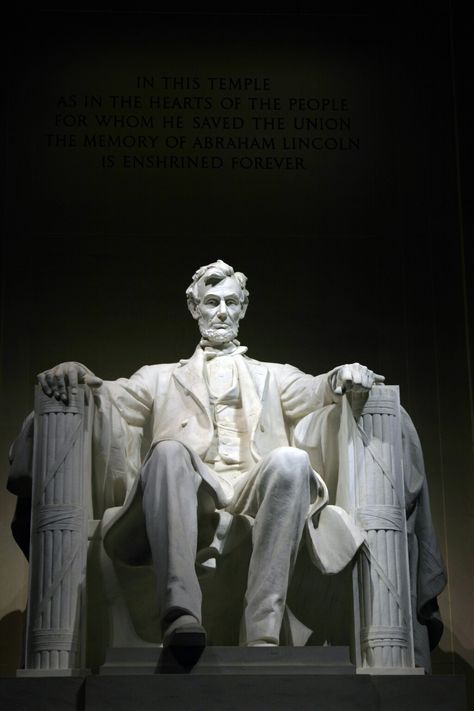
x=382, y=604
x=61, y=509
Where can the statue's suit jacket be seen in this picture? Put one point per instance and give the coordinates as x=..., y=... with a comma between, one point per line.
x=171, y=401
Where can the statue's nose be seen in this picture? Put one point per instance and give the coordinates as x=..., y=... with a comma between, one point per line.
x=222, y=310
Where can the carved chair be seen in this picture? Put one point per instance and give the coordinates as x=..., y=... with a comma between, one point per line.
x=68, y=563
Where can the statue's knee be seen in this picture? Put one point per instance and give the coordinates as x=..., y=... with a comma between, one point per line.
x=169, y=448
x=167, y=458
x=289, y=458
x=291, y=464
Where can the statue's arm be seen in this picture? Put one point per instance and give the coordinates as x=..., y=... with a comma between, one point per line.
x=132, y=397
x=302, y=393
x=121, y=431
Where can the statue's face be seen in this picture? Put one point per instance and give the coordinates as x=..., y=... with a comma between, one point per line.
x=219, y=311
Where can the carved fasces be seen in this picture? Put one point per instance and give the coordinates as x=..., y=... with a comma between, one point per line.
x=60, y=513
x=384, y=637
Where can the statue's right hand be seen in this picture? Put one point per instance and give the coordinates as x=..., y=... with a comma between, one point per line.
x=64, y=379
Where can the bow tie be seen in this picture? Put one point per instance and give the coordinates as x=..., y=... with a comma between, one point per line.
x=232, y=349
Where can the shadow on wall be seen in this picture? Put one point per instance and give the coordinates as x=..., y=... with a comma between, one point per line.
x=454, y=663
x=11, y=642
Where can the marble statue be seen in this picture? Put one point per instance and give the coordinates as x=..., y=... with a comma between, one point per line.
x=219, y=436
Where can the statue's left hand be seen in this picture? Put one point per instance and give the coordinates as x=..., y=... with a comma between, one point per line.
x=354, y=377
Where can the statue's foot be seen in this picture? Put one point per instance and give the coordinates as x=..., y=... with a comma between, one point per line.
x=186, y=639
x=261, y=643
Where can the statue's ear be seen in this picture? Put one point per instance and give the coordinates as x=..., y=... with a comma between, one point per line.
x=194, y=309
x=244, y=311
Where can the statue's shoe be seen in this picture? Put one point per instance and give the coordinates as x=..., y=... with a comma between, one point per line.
x=186, y=639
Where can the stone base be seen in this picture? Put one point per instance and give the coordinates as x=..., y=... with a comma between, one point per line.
x=51, y=672
x=232, y=692
x=41, y=693
x=231, y=660
x=395, y=671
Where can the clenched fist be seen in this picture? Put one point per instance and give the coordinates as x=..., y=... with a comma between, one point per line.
x=353, y=377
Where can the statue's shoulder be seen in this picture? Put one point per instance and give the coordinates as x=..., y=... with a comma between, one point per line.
x=160, y=367
x=259, y=364
x=272, y=367
x=282, y=374
x=156, y=371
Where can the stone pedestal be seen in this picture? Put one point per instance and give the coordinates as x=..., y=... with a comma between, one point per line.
x=234, y=692
x=304, y=661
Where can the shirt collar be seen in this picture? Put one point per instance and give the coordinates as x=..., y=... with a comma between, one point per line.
x=233, y=348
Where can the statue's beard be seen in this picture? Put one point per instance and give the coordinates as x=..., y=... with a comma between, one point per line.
x=219, y=336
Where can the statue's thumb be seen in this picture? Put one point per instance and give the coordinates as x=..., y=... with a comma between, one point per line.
x=93, y=381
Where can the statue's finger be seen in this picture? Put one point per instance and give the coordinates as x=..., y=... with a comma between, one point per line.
x=344, y=378
x=44, y=383
x=379, y=378
x=93, y=381
x=61, y=387
x=367, y=380
x=51, y=380
x=345, y=374
x=72, y=379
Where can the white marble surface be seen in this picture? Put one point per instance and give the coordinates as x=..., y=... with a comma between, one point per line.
x=228, y=418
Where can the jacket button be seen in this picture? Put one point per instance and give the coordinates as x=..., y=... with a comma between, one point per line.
x=262, y=428
x=184, y=423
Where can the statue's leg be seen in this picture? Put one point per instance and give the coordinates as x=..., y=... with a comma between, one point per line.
x=170, y=502
x=277, y=495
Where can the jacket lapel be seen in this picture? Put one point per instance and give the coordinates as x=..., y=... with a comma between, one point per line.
x=190, y=375
x=259, y=375
x=252, y=378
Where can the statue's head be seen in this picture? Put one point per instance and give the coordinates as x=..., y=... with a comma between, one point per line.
x=218, y=299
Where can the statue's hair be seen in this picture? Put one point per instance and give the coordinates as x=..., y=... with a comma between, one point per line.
x=213, y=274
